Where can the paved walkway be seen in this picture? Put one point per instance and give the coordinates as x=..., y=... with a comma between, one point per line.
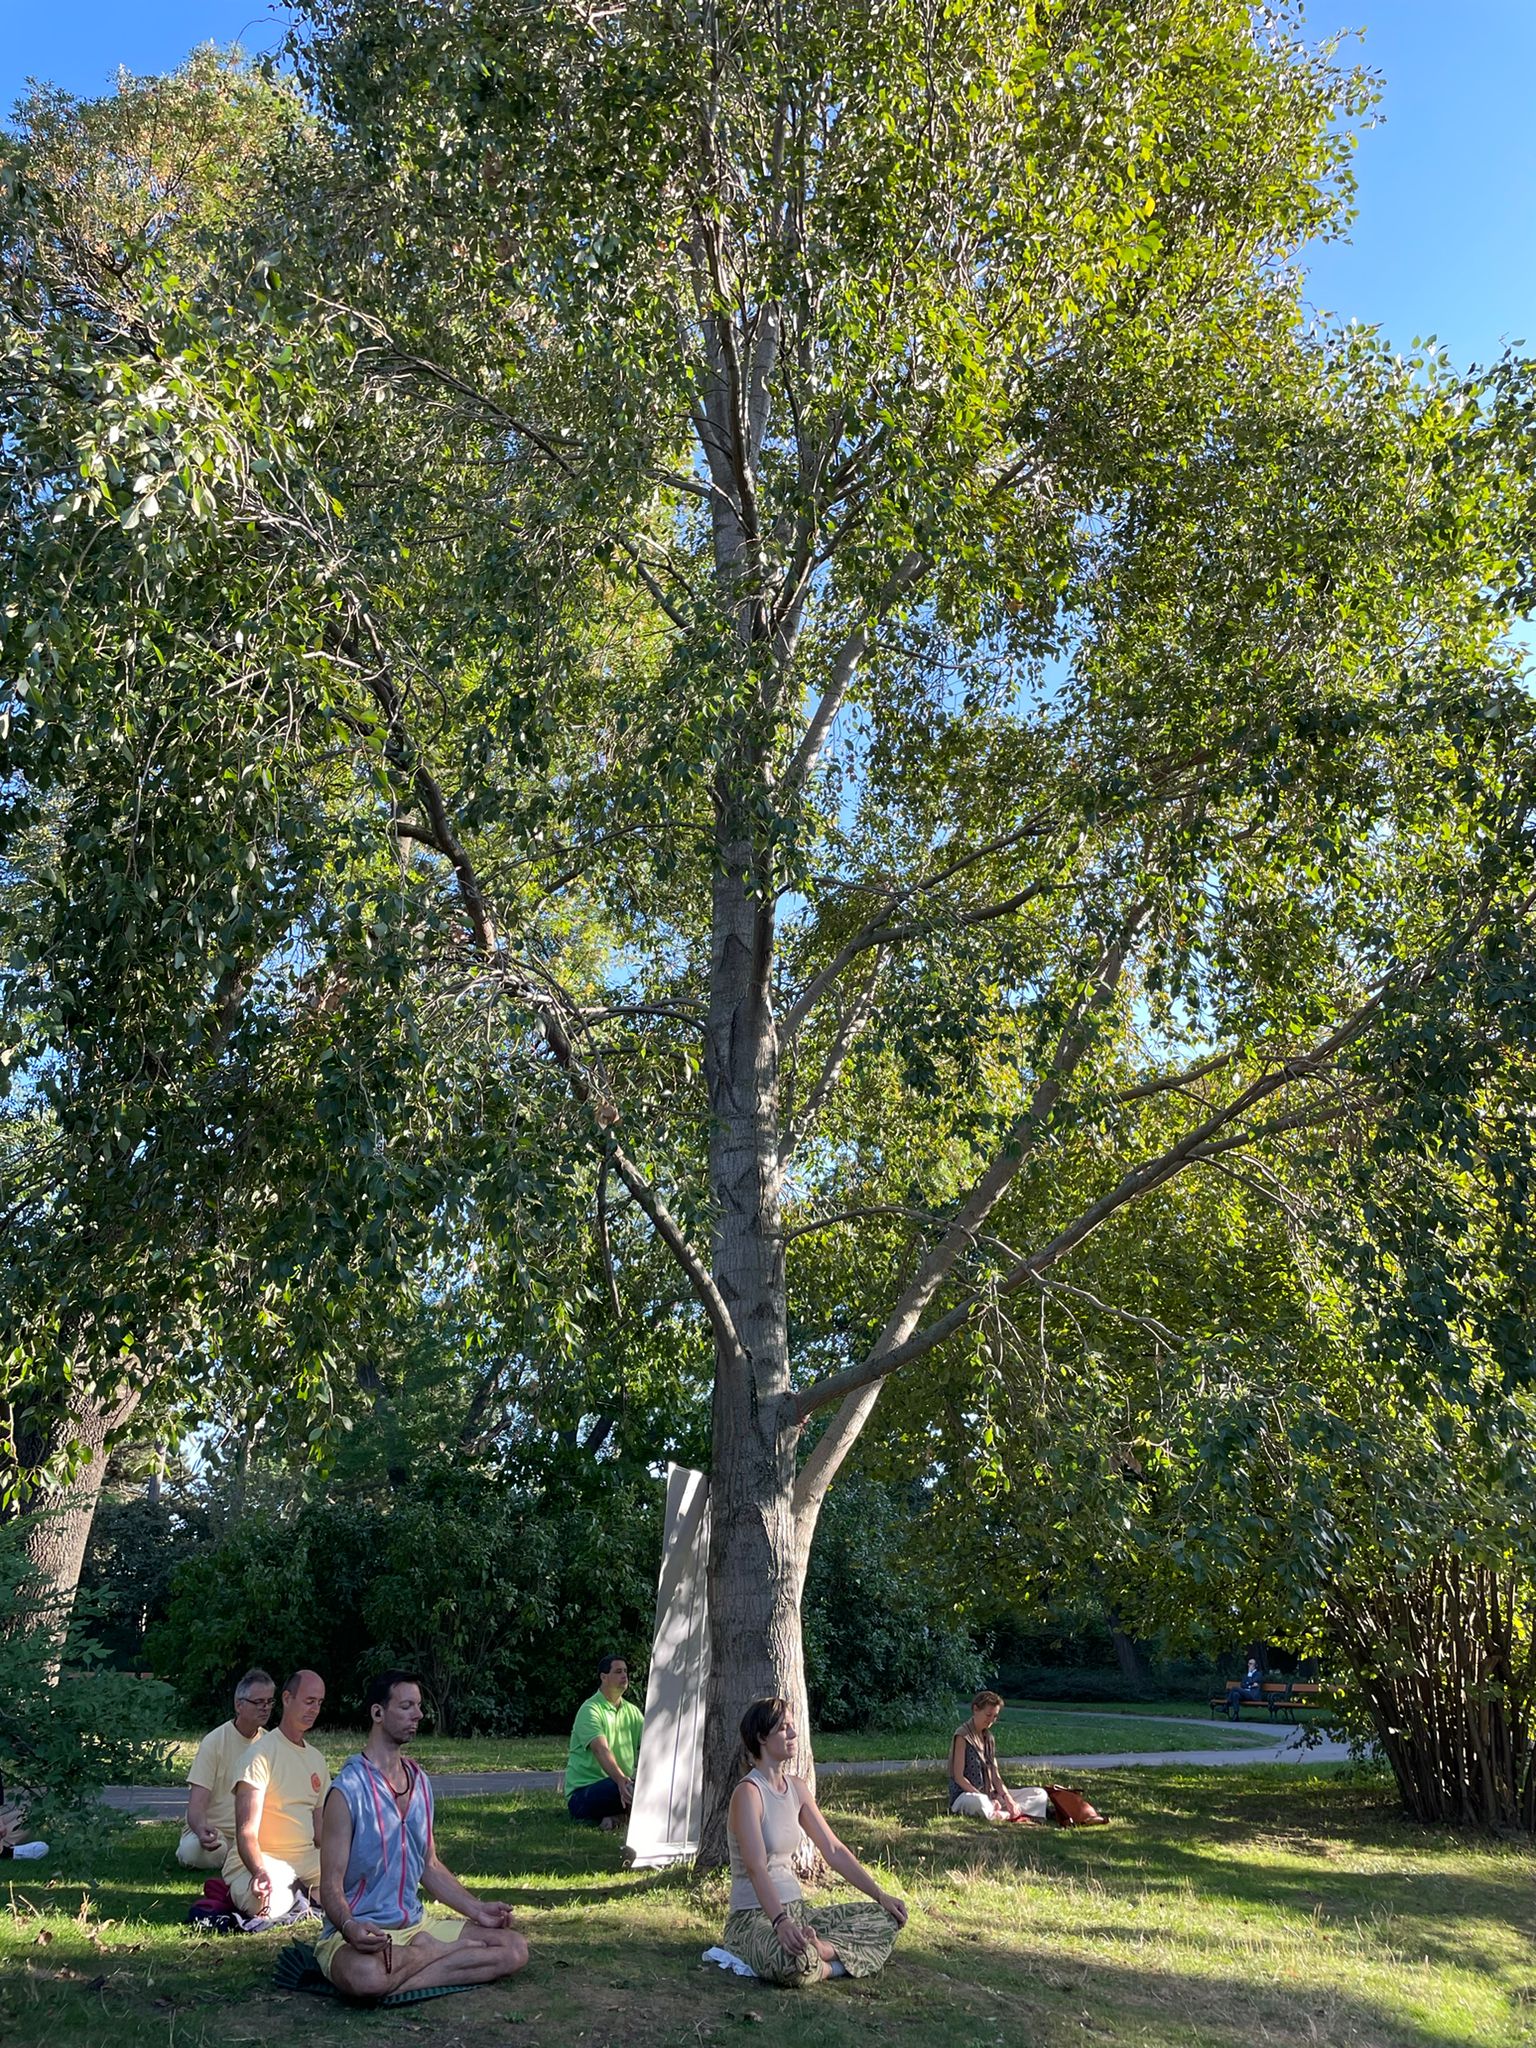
x=1282, y=1746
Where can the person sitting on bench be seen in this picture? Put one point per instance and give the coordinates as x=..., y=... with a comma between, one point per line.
x=1249, y=1687
x=378, y=1855
x=210, y=1828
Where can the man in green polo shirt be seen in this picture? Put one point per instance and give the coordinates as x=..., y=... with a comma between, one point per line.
x=605, y=1742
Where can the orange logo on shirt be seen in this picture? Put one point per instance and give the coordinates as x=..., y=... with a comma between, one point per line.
x=314, y=1779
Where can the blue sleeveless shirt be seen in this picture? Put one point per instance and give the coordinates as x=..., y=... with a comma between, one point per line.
x=391, y=1841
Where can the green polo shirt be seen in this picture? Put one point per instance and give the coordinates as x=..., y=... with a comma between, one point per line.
x=618, y=1726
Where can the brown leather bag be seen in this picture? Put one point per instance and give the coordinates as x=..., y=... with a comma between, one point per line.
x=1072, y=1809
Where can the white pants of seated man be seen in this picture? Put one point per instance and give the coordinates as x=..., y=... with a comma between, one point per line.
x=1030, y=1799
x=284, y=1877
x=191, y=1854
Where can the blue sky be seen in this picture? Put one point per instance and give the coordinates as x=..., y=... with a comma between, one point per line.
x=1445, y=242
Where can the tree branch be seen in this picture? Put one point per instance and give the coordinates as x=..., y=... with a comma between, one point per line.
x=853, y=1022
x=551, y=1024
x=886, y=934
x=1201, y=1142
x=857, y=1387
x=1166, y=1082
x=844, y=663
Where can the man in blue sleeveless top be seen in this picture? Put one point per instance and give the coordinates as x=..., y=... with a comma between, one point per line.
x=378, y=1855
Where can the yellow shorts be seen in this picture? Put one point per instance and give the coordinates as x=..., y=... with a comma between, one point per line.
x=442, y=1927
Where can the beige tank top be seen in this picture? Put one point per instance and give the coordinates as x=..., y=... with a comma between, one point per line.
x=782, y=1836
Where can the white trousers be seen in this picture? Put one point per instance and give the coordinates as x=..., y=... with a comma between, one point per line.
x=284, y=1877
x=191, y=1854
x=975, y=1806
x=1030, y=1799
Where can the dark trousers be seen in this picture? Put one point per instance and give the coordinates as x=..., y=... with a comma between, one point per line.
x=595, y=1802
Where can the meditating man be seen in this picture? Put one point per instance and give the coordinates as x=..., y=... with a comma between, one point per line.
x=378, y=1855
x=278, y=1796
x=605, y=1747
x=210, y=1825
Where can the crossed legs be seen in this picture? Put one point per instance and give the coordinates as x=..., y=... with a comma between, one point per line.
x=479, y=1955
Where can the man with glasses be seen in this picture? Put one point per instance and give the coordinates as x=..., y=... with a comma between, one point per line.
x=210, y=1825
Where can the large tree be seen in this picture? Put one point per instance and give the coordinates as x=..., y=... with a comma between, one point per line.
x=821, y=591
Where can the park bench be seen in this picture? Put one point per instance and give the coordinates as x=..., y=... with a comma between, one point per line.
x=1280, y=1698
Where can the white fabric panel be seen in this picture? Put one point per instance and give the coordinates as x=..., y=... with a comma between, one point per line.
x=669, y=1779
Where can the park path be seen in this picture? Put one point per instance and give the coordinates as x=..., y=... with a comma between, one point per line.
x=168, y=1802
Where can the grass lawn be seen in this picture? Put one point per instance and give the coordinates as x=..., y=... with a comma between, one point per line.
x=1021, y=1731
x=1045, y=1731
x=1222, y=1909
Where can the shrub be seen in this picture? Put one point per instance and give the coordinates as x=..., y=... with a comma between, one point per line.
x=502, y=1594
x=68, y=1724
x=136, y=1548
x=882, y=1648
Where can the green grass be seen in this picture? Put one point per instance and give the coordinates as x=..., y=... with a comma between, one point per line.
x=1043, y=1731
x=1021, y=1731
x=1222, y=1909
x=1197, y=1709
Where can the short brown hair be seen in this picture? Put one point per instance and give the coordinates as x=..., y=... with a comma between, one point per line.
x=986, y=1699
x=758, y=1723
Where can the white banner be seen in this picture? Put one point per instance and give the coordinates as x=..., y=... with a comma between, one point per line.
x=669, y=1779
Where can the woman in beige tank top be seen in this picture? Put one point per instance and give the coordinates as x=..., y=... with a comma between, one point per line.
x=771, y=1926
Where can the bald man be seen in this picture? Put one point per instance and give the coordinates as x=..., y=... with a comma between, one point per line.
x=279, y=1794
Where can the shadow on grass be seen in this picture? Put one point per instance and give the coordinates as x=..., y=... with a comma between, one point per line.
x=1237, y=1842
x=1362, y=1933
x=617, y=1986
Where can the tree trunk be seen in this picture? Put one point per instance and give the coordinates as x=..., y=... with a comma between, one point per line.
x=56, y=1524
x=757, y=1562
x=1443, y=1665
x=1127, y=1656
x=757, y=1551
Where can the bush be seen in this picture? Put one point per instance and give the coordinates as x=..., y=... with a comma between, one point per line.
x=881, y=1647
x=503, y=1595
x=68, y=1725
x=136, y=1548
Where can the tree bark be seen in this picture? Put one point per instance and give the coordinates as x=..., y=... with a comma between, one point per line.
x=1442, y=1665
x=56, y=1524
x=1127, y=1656
x=758, y=1550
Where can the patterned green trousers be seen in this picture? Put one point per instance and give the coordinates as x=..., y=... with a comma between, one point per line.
x=863, y=1936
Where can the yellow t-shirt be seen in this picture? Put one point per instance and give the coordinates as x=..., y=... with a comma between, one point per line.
x=293, y=1780
x=216, y=1766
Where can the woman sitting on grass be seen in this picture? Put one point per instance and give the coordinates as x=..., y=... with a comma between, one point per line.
x=771, y=1927
x=976, y=1786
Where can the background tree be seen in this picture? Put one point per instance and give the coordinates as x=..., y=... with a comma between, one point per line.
x=1300, y=1412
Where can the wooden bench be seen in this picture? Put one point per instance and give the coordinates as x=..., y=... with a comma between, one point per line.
x=1279, y=1697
